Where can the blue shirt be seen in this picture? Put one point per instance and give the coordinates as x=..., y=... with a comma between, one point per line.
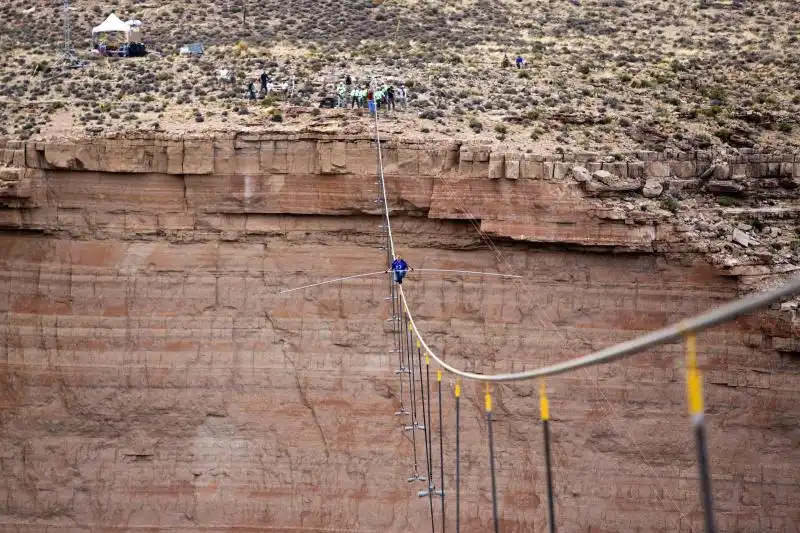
x=399, y=264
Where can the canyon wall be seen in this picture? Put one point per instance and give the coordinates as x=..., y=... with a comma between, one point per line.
x=152, y=376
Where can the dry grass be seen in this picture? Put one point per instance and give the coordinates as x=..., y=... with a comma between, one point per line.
x=609, y=74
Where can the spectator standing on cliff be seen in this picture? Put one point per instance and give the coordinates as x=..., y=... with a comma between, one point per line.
x=400, y=268
x=520, y=61
x=402, y=95
x=390, y=98
x=251, y=89
x=264, y=80
x=371, y=101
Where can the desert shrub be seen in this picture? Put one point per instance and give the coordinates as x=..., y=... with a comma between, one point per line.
x=475, y=125
x=669, y=203
x=727, y=201
x=723, y=134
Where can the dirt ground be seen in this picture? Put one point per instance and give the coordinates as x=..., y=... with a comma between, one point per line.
x=600, y=75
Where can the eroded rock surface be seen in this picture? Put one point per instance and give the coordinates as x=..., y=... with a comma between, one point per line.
x=152, y=376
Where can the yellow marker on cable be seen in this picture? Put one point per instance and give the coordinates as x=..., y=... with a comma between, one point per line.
x=544, y=405
x=458, y=387
x=488, y=399
x=418, y=344
x=439, y=375
x=427, y=359
x=694, y=383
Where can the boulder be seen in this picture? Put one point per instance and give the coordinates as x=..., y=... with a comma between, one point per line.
x=652, y=189
x=604, y=176
x=581, y=175
x=725, y=187
x=741, y=238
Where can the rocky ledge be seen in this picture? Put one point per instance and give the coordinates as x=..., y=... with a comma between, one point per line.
x=741, y=211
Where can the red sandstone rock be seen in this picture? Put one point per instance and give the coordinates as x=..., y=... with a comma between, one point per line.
x=151, y=376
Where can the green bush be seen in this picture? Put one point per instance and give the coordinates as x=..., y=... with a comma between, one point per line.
x=724, y=135
x=727, y=201
x=670, y=203
x=475, y=125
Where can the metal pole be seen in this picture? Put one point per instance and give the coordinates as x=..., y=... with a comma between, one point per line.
x=491, y=458
x=412, y=395
x=441, y=445
x=458, y=456
x=428, y=451
x=398, y=347
x=428, y=424
x=694, y=390
x=544, y=409
x=424, y=416
x=705, y=477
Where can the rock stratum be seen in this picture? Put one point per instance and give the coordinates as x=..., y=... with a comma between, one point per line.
x=152, y=378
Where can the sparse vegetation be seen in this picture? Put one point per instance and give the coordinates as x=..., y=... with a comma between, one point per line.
x=588, y=82
x=670, y=203
x=727, y=201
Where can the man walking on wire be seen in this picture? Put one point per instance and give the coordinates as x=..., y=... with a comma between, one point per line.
x=400, y=269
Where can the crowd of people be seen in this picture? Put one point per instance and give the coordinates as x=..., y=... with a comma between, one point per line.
x=268, y=87
x=371, y=96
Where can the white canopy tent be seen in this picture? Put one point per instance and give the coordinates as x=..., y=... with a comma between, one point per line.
x=111, y=24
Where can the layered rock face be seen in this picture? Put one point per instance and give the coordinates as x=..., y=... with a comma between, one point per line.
x=153, y=377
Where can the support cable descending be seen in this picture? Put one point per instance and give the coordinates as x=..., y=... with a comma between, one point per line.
x=458, y=454
x=410, y=362
x=441, y=445
x=491, y=457
x=694, y=389
x=414, y=420
x=544, y=409
x=396, y=336
x=429, y=430
x=429, y=492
